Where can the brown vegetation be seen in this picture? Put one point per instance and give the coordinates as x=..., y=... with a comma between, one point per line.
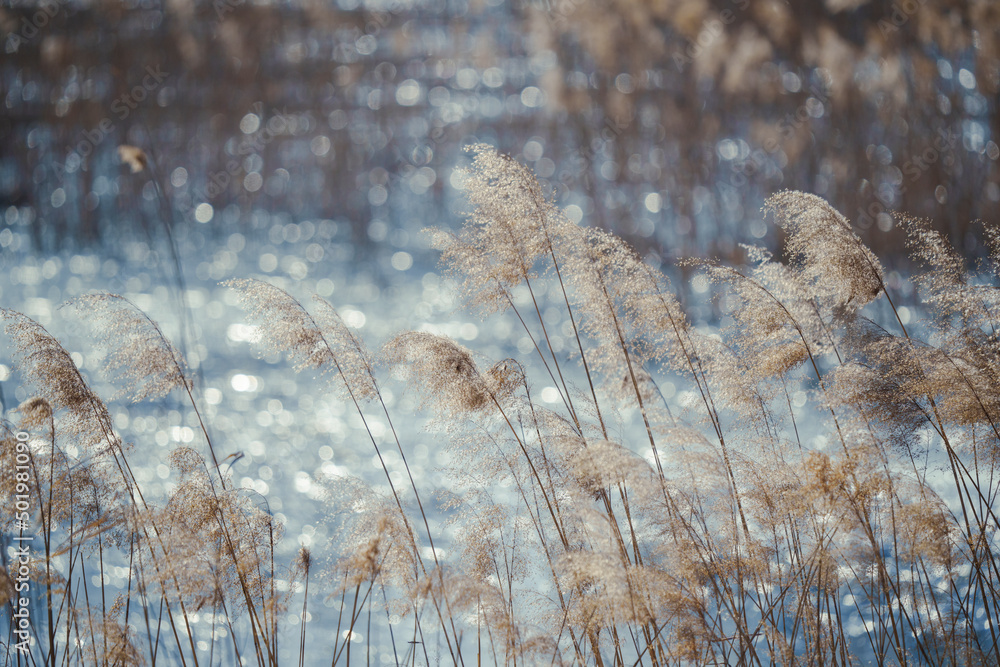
x=621, y=527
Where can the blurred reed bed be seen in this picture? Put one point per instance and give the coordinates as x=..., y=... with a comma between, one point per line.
x=821, y=491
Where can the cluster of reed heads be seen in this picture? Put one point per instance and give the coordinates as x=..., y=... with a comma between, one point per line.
x=820, y=491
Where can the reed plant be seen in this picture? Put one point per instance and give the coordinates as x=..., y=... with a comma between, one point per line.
x=820, y=490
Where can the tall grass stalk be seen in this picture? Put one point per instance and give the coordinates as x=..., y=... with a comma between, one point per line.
x=802, y=484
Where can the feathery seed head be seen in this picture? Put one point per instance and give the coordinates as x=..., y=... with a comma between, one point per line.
x=323, y=342
x=47, y=368
x=442, y=370
x=945, y=282
x=511, y=227
x=372, y=537
x=36, y=412
x=136, y=350
x=600, y=464
x=823, y=245
x=283, y=325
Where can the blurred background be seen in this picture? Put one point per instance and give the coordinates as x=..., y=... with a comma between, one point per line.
x=666, y=121
x=308, y=143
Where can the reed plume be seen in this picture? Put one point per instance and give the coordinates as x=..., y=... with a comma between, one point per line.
x=813, y=481
x=50, y=372
x=323, y=343
x=138, y=357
